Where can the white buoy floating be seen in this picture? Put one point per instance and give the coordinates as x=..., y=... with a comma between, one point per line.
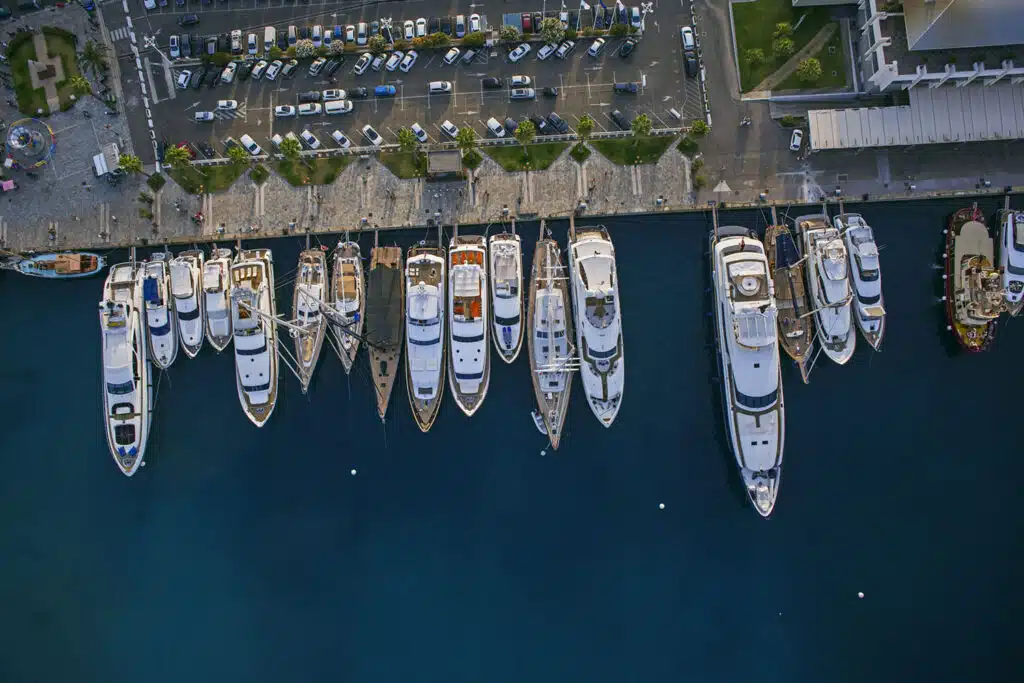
x=353, y=473
x=661, y=506
x=860, y=594
x=543, y=453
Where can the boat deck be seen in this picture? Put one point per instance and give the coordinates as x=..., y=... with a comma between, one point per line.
x=795, y=332
x=385, y=323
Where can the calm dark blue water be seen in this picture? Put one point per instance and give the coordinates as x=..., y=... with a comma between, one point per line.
x=466, y=555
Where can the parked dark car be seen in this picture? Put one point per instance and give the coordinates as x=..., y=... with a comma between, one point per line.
x=374, y=27
x=208, y=151
x=510, y=125
x=558, y=123
x=214, y=78
x=303, y=32
x=492, y=83
x=333, y=66
x=386, y=33
x=358, y=93
x=627, y=88
x=282, y=41
x=188, y=20
x=310, y=96
x=620, y=120
x=550, y=92
x=626, y=49
x=161, y=147
x=540, y=124
x=692, y=68
x=198, y=78
x=434, y=25
x=223, y=43
x=211, y=45
x=244, y=69
x=537, y=18
x=446, y=25
x=186, y=45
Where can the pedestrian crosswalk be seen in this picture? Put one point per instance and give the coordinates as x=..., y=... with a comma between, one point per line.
x=119, y=33
x=229, y=115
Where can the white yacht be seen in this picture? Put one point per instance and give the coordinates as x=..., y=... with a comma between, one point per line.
x=748, y=349
x=1011, y=258
x=865, y=275
x=506, y=252
x=252, y=309
x=347, y=298
x=154, y=281
x=595, y=299
x=551, y=356
x=186, y=271
x=828, y=284
x=217, y=298
x=127, y=377
x=310, y=291
x=425, y=331
x=468, y=347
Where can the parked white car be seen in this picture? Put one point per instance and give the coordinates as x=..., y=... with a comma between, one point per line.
x=519, y=81
x=797, y=140
x=421, y=27
x=227, y=105
x=204, y=116
x=519, y=53
x=228, y=74
x=175, y=48
x=439, y=87
x=362, y=64
x=257, y=71
x=408, y=61
x=310, y=139
x=274, y=69
x=418, y=131
x=449, y=129
x=394, y=60
x=474, y=23
x=546, y=51
x=451, y=56
x=596, y=47
x=341, y=139
x=284, y=111
x=495, y=127
x=310, y=109
x=183, y=79
x=410, y=29
x=250, y=145
x=332, y=95
x=254, y=46
x=373, y=136
x=378, y=61
x=339, y=107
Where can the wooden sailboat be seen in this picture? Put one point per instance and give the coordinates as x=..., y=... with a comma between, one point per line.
x=796, y=327
x=385, y=313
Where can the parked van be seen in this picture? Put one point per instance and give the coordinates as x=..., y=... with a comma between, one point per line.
x=292, y=37
x=250, y=145
x=269, y=39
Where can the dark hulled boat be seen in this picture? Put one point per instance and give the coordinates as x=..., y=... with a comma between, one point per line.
x=385, y=312
x=973, y=285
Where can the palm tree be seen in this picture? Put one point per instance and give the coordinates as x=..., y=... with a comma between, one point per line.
x=238, y=156
x=525, y=133
x=93, y=57
x=407, y=141
x=465, y=139
x=642, y=126
x=130, y=163
x=79, y=85
x=177, y=157
x=290, y=148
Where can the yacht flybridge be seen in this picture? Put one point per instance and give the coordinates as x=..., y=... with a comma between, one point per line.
x=550, y=329
x=154, y=282
x=127, y=384
x=347, y=298
x=829, y=286
x=310, y=291
x=217, y=298
x=745, y=317
x=865, y=275
x=595, y=298
x=1011, y=258
x=186, y=270
x=253, y=311
x=385, y=315
x=425, y=332
x=468, y=347
x=506, y=254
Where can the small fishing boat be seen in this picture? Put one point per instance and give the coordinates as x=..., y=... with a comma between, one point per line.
x=595, y=299
x=127, y=377
x=65, y=265
x=253, y=310
x=796, y=324
x=828, y=283
x=506, y=252
x=154, y=281
x=468, y=347
x=217, y=298
x=384, y=320
x=186, y=271
x=865, y=275
x=551, y=356
x=347, y=298
x=425, y=332
x=974, y=289
x=1011, y=258
x=310, y=291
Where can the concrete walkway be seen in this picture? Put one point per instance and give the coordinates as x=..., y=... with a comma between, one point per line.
x=41, y=62
x=813, y=47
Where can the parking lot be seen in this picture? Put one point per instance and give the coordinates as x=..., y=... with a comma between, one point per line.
x=585, y=84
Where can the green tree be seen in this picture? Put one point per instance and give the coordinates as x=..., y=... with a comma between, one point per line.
x=585, y=127
x=525, y=133
x=238, y=156
x=700, y=181
x=570, y=34
x=275, y=52
x=378, y=44
x=290, y=148
x=407, y=141
x=699, y=128
x=438, y=40
x=783, y=48
x=79, y=85
x=618, y=30
x=783, y=29
x=510, y=34
x=755, y=56
x=642, y=126
x=474, y=40
x=130, y=163
x=551, y=30
x=809, y=70
x=93, y=57
x=177, y=157
x=220, y=59
x=465, y=138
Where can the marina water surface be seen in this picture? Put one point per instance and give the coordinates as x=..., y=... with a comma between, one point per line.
x=467, y=554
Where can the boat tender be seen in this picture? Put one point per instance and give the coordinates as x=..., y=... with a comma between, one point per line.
x=425, y=332
x=865, y=275
x=154, y=281
x=65, y=265
x=217, y=298
x=506, y=268
x=186, y=272
x=253, y=307
x=828, y=283
x=468, y=326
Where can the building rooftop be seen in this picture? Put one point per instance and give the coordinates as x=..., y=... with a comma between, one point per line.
x=952, y=24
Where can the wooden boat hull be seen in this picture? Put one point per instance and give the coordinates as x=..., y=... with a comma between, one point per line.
x=972, y=338
x=348, y=344
x=791, y=299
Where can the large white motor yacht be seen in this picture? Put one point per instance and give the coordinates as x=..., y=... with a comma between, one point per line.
x=347, y=298
x=746, y=317
x=468, y=348
x=595, y=298
x=252, y=308
x=186, y=271
x=217, y=298
x=866, y=276
x=506, y=254
x=127, y=382
x=425, y=332
x=828, y=283
x=1011, y=259
x=310, y=291
x=154, y=281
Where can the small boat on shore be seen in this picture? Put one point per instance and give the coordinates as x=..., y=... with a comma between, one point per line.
x=595, y=299
x=65, y=265
x=186, y=272
x=127, y=377
x=828, y=283
x=154, y=281
x=310, y=291
x=425, y=332
x=796, y=324
x=347, y=298
x=385, y=315
x=1011, y=258
x=468, y=346
x=253, y=308
x=506, y=253
x=217, y=298
x=974, y=289
x=865, y=275
x=748, y=350
x=548, y=316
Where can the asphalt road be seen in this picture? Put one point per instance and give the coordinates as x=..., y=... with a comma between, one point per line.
x=584, y=83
